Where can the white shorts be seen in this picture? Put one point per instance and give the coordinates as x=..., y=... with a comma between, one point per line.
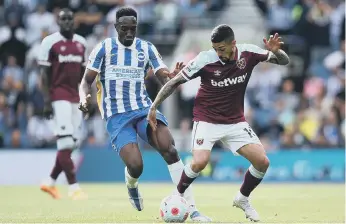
x=233, y=136
x=68, y=119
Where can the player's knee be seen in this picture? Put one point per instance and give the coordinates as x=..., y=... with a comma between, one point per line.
x=262, y=163
x=65, y=142
x=265, y=163
x=170, y=155
x=135, y=168
x=200, y=161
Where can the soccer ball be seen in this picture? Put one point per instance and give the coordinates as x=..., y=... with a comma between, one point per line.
x=174, y=208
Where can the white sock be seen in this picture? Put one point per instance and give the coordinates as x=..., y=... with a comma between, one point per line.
x=175, y=170
x=130, y=181
x=189, y=172
x=73, y=187
x=254, y=172
x=51, y=182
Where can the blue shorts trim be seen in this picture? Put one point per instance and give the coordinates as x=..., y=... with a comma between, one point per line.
x=123, y=128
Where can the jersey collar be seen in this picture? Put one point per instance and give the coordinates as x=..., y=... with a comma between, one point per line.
x=64, y=38
x=235, y=57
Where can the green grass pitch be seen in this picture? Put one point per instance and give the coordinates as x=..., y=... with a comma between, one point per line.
x=276, y=203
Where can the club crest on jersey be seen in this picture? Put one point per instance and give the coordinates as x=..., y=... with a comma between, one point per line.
x=217, y=73
x=241, y=63
x=199, y=141
x=80, y=47
x=141, y=56
x=63, y=48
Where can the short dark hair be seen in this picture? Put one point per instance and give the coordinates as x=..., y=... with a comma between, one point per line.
x=222, y=33
x=126, y=11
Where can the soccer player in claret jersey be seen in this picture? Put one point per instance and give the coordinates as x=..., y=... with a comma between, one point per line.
x=218, y=112
x=120, y=65
x=62, y=60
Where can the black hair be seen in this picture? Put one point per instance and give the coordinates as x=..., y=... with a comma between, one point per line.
x=126, y=11
x=222, y=33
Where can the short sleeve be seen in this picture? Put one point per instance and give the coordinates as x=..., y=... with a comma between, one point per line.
x=259, y=54
x=155, y=58
x=44, y=57
x=96, y=57
x=81, y=40
x=191, y=70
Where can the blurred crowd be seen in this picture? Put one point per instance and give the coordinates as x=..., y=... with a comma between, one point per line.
x=302, y=105
x=24, y=23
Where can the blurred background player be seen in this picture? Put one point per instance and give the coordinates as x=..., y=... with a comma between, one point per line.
x=219, y=107
x=62, y=58
x=120, y=65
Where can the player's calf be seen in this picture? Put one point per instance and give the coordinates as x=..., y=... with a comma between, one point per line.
x=67, y=165
x=65, y=146
x=256, y=155
x=132, y=187
x=57, y=169
x=133, y=170
x=132, y=158
x=163, y=141
x=133, y=162
x=191, y=171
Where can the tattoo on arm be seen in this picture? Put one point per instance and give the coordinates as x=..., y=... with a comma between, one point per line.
x=168, y=89
x=279, y=57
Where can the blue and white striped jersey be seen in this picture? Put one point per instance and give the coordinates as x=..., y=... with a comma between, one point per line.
x=122, y=71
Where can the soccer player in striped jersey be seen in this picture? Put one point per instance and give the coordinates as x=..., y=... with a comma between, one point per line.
x=120, y=64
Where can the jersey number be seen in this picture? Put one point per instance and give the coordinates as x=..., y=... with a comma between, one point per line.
x=249, y=132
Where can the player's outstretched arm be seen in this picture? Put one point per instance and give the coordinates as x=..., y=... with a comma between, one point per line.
x=168, y=89
x=160, y=69
x=278, y=56
x=165, y=92
x=164, y=75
